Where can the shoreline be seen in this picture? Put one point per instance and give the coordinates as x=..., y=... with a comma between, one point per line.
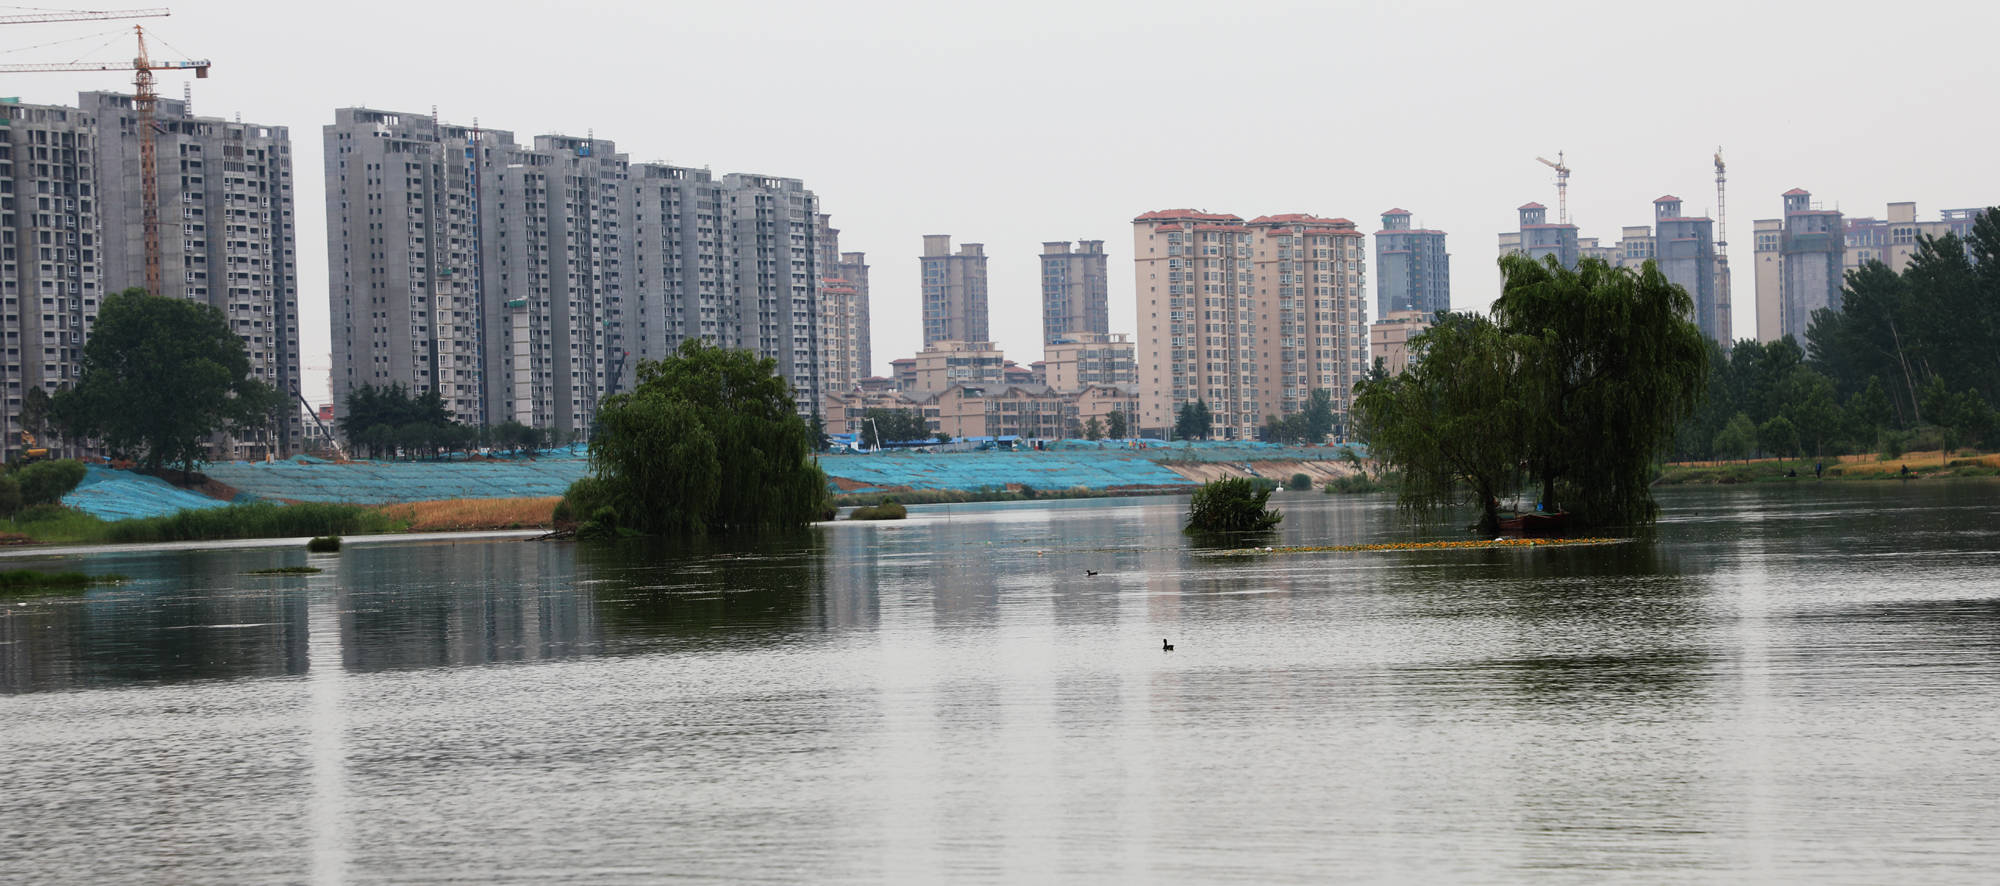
x=27, y=552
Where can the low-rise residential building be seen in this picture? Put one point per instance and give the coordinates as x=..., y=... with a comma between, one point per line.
x=989, y=410
x=1083, y=359
x=1388, y=338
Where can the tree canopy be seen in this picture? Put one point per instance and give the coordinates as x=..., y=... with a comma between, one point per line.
x=1870, y=369
x=158, y=376
x=1454, y=422
x=709, y=440
x=894, y=426
x=1310, y=425
x=1579, y=380
x=1193, y=421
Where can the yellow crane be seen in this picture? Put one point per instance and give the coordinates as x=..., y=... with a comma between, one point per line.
x=1562, y=186
x=144, y=100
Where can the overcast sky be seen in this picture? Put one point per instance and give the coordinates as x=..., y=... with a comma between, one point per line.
x=1018, y=122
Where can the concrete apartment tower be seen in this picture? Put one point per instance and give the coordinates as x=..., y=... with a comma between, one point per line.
x=1769, y=269
x=954, y=287
x=74, y=233
x=1412, y=268
x=1811, y=248
x=1246, y=316
x=1076, y=290
x=1537, y=238
x=843, y=311
x=525, y=282
x=1684, y=248
x=853, y=268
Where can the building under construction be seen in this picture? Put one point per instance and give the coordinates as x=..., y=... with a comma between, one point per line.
x=72, y=228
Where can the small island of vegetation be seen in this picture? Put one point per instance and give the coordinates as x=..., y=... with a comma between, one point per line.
x=709, y=441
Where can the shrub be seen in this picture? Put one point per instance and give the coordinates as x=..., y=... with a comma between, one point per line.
x=10, y=495
x=1354, y=484
x=1232, y=505
x=46, y=482
x=888, y=510
x=582, y=500
x=1300, y=483
x=324, y=544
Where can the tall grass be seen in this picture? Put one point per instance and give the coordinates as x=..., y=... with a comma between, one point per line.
x=477, y=513
x=259, y=520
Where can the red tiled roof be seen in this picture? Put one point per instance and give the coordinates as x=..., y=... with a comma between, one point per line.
x=1532, y=206
x=1397, y=212
x=1796, y=192
x=1669, y=198
x=1185, y=214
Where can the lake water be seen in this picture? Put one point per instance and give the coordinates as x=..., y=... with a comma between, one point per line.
x=1783, y=684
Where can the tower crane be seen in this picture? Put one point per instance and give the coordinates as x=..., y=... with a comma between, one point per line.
x=144, y=99
x=1562, y=186
x=1723, y=299
x=81, y=15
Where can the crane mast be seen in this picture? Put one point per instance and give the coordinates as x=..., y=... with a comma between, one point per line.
x=144, y=102
x=1723, y=296
x=1562, y=185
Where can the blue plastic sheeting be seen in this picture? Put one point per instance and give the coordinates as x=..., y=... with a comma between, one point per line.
x=998, y=470
x=117, y=495
x=384, y=482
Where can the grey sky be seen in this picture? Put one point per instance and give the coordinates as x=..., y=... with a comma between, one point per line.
x=1014, y=123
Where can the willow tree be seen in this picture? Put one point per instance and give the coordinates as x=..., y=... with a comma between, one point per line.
x=709, y=440
x=1611, y=364
x=1452, y=424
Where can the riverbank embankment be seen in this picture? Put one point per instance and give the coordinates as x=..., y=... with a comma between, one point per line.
x=1862, y=467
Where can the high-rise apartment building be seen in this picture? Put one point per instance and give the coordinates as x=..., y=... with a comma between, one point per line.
x=1537, y=238
x=843, y=311
x=1685, y=252
x=1811, y=257
x=1247, y=317
x=1076, y=290
x=525, y=282
x=1311, y=309
x=1412, y=268
x=71, y=222
x=853, y=268
x=954, y=290
x=1769, y=268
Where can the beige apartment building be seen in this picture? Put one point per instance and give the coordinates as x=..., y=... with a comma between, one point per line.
x=1088, y=358
x=1311, y=310
x=997, y=410
x=954, y=288
x=1247, y=316
x=1197, y=334
x=945, y=363
x=1769, y=267
x=1389, y=338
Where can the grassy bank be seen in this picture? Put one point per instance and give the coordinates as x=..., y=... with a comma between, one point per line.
x=28, y=581
x=465, y=515
x=1866, y=467
x=52, y=525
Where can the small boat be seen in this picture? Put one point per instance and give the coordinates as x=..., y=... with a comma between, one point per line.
x=1535, y=522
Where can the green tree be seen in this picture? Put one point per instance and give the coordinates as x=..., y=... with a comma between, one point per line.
x=1778, y=437
x=1317, y=417
x=708, y=440
x=158, y=376
x=1810, y=406
x=1452, y=424
x=1231, y=505
x=46, y=482
x=1611, y=366
x=1867, y=414
x=1194, y=422
x=894, y=426
x=1093, y=429
x=1115, y=425
x=1737, y=438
